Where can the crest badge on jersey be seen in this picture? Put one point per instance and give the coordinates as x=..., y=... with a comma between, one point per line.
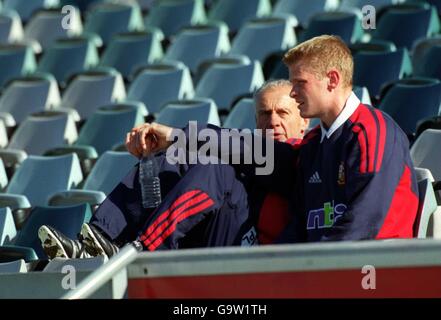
x=341, y=174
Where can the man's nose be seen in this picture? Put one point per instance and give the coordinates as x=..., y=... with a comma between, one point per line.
x=274, y=120
x=293, y=93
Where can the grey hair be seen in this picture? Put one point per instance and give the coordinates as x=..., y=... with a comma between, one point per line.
x=270, y=84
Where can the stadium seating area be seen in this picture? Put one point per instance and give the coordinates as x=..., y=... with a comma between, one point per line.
x=69, y=94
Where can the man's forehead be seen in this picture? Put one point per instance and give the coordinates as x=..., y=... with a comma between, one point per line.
x=280, y=100
x=277, y=91
x=297, y=69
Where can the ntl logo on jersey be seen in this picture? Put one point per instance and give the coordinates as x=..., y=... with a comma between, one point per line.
x=325, y=217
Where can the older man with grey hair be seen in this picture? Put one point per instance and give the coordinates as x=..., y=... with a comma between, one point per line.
x=203, y=205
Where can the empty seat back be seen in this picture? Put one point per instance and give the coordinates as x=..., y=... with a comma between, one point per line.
x=108, y=19
x=178, y=113
x=128, y=51
x=224, y=82
x=426, y=152
x=66, y=57
x=39, y=133
x=258, y=38
x=39, y=177
x=159, y=83
x=108, y=171
x=92, y=89
x=194, y=44
x=68, y=220
x=243, y=115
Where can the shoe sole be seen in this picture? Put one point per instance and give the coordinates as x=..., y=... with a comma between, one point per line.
x=50, y=243
x=91, y=242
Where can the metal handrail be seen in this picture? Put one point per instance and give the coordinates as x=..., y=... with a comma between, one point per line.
x=100, y=276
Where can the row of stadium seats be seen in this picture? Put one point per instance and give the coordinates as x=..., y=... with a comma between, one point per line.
x=81, y=90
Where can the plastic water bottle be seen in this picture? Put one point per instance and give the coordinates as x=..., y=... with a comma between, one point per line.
x=149, y=181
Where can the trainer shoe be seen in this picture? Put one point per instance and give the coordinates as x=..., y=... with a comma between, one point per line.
x=55, y=244
x=96, y=243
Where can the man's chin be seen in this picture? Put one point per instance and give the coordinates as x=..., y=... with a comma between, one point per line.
x=279, y=138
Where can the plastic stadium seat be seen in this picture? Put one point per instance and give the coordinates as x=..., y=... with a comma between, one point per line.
x=109, y=124
x=235, y=13
x=194, y=44
x=107, y=19
x=91, y=89
x=372, y=46
x=39, y=133
x=10, y=253
x=171, y=15
x=231, y=59
x=105, y=128
x=13, y=266
x=146, y=5
x=46, y=26
x=157, y=84
x=107, y=172
x=436, y=3
x=26, y=8
x=426, y=57
x=27, y=95
x=346, y=25
x=274, y=68
x=223, y=82
x=178, y=113
x=429, y=123
x=68, y=56
x=38, y=177
x=431, y=66
x=128, y=51
x=423, y=173
x=258, y=38
x=390, y=66
x=67, y=220
x=423, y=226
x=15, y=60
x=7, y=226
x=302, y=10
x=426, y=152
x=404, y=24
x=411, y=100
x=359, y=4
x=11, y=29
x=83, y=5
x=243, y=115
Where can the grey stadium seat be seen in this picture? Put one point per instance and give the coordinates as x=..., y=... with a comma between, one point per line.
x=178, y=113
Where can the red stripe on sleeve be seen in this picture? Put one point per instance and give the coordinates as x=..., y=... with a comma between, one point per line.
x=364, y=117
x=187, y=213
x=156, y=232
x=181, y=199
x=363, y=152
x=402, y=211
x=382, y=140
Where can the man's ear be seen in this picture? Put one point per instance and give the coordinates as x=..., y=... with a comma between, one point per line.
x=333, y=79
